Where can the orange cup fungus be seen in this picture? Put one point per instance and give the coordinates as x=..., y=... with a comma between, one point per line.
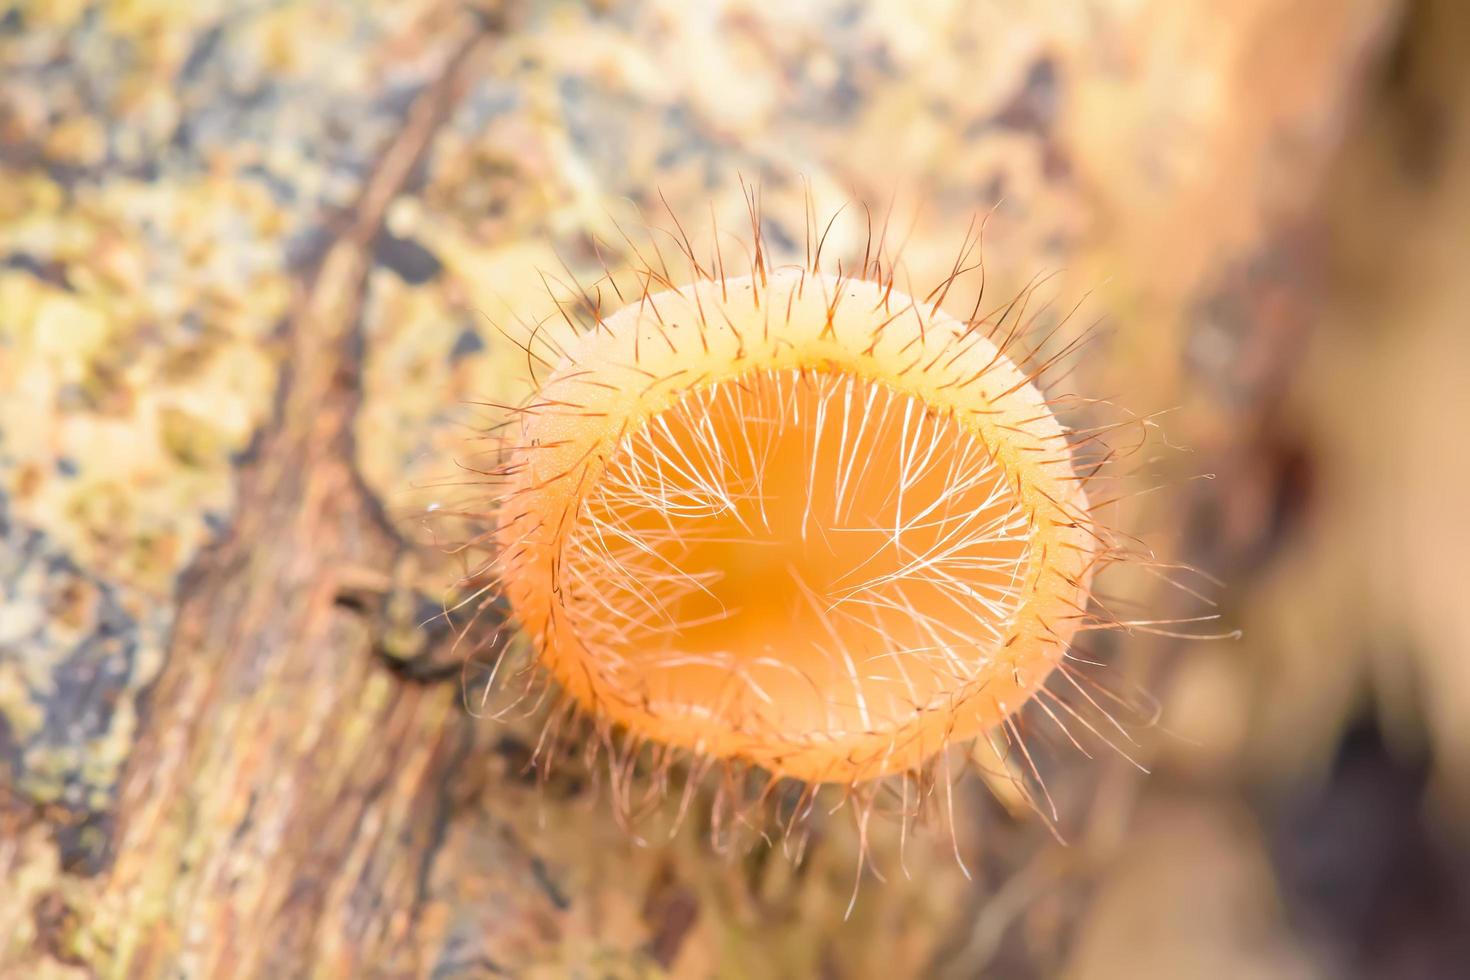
x=796, y=520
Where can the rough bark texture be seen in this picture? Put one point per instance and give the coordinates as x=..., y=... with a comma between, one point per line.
x=247, y=259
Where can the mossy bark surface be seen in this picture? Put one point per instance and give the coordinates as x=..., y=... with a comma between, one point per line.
x=250, y=262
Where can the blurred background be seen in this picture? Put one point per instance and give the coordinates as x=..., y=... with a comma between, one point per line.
x=250, y=255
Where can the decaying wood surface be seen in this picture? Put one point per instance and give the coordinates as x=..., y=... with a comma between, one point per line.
x=218, y=754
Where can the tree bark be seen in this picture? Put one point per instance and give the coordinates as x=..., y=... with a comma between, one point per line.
x=284, y=797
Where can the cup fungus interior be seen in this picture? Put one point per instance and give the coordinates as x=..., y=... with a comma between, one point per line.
x=776, y=523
